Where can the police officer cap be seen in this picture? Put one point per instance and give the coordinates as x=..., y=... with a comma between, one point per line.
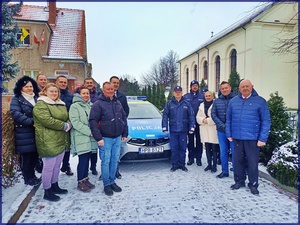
x=177, y=88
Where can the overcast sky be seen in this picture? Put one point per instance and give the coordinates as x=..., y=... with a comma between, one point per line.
x=128, y=38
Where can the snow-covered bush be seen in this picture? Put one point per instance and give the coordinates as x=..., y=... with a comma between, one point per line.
x=283, y=165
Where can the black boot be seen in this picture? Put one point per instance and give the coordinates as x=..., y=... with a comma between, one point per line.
x=49, y=195
x=57, y=190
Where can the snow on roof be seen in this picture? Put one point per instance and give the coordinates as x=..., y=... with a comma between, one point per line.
x=245, y=20
x=68, y=38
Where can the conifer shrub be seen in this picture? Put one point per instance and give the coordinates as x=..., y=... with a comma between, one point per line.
x=280, y=131
x=283, y=165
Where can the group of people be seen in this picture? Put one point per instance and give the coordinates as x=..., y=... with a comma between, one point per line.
x=50, y=123
x=237, y=123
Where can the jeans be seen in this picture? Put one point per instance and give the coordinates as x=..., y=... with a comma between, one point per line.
x=178, y=143
x=51, y=170
x=109, y=155
x=83, y=166
x=225, y=145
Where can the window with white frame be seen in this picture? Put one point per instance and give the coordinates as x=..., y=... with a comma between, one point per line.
x=24, y=36
x=31, y=73
x=218, y=66
x=195, y=72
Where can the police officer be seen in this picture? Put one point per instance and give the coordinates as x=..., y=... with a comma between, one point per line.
x=195, y=97
x=178, y=119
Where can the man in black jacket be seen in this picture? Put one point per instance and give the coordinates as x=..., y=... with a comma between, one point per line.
x=66, y=97
x=108, y=123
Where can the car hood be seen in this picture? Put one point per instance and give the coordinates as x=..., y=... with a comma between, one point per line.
x=145, y=128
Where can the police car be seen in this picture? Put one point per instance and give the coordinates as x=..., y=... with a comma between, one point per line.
x=145, y=140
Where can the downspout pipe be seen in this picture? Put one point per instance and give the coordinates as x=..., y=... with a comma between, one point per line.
x=198, y=66
x=207, y=64
x=245, y=50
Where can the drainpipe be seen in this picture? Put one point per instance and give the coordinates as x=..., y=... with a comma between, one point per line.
x=198, y=67
x=207, y=64
x=245, y=51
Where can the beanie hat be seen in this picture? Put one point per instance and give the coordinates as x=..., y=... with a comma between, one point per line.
x=194, y=82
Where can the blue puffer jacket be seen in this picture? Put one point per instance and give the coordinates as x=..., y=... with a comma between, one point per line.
x=218, y=113
x=248, y=119
x=66, y=97
x=108, y=119
x=195, y=99
x=21, y=112
x=178, y=116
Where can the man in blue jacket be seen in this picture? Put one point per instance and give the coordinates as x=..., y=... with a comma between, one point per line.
x=108, y=124
x=218, y=115
x=247, y=125
x=179, y=119
x=195, y=97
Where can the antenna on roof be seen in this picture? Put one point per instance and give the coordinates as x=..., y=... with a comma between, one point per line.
x=212, y=34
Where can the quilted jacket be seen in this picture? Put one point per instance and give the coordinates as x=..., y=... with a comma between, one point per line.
x=21, y=112
x=49, y=120
x=248, y=119
x=81, y=140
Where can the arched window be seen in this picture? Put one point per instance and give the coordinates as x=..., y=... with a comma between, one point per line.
x=195, y=72
x=205, y=70
x=218, y=66
x=187, y=78
x=233, y=60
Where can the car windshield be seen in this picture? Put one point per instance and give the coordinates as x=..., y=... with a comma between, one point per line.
x=143, y=111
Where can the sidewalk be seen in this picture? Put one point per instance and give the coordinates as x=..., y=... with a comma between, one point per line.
x=153, y=194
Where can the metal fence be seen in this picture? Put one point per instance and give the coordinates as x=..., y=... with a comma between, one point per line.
x=293, y=119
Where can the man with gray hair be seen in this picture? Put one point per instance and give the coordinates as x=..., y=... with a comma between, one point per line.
x=247, y=125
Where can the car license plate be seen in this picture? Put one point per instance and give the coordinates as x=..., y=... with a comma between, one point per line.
x=145, y=150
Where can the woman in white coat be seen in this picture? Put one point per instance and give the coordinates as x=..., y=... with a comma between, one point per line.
x=208, y=132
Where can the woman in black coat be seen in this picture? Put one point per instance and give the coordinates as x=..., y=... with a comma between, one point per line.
x=21, y=107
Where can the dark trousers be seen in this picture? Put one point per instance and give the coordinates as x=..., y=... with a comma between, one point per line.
x=178, y=143
x=66, y=159
x=195, y=151
x=93, y=157
x=246, y=155
x=28, y=162
x=83, y=166
x=211, y=154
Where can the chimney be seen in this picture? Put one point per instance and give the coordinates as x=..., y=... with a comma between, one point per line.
x=52, y=12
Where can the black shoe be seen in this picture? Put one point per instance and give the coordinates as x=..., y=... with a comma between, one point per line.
x=100, y=177
x=221, y=175
x=68, y=171
x=231, y=169
x=207, y=168
x=115, y=187
x=174, y=168
x=199, y=163
x=190, y=162
x=253, y=189
x=57, y=190
x=108, y=191
x=237, y=186
x=33, y=181
x=213, y=170
x=94, y=172
x=184, y=169
x=118, y=175
x=49, y=195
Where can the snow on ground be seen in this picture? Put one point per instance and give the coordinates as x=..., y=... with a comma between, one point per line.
x=153, y=194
